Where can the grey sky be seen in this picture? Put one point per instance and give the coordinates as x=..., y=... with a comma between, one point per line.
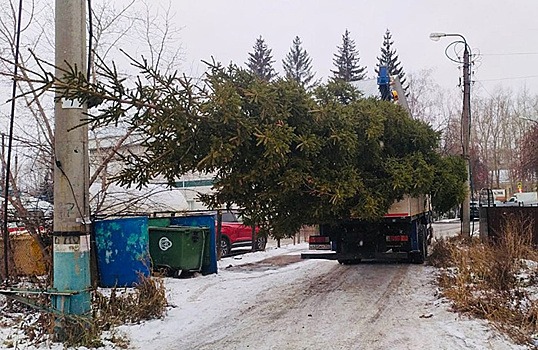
x=227, y=31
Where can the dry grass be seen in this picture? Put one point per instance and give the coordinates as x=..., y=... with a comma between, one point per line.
x=147, y=300
x=480, y=279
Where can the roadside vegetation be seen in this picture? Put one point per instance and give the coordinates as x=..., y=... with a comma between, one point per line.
x=110, y=308
x=495, y=281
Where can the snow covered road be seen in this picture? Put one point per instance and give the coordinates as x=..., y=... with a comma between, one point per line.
x=275, y=300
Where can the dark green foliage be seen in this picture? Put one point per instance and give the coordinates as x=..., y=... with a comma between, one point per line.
x=346, y=61
x=284, y=155
x=260, y=62
x=298, y=64
x=389, y=58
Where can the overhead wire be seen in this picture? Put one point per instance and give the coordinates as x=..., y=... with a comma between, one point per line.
x=510, y=54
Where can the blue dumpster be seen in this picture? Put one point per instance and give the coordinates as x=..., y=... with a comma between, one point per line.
x=122, y=251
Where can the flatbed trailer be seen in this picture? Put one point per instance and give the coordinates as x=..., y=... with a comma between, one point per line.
x=403, y=234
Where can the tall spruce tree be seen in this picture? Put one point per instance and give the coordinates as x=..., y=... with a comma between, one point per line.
x=298, y=64
x=260, y=62
x=346, y=61
x=389, y=58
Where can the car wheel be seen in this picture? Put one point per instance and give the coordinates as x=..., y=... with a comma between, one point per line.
x=261, y=242
x=225, y=246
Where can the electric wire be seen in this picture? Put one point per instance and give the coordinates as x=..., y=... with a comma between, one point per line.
x=510, y=54
x=10, y=142
x=511, y=78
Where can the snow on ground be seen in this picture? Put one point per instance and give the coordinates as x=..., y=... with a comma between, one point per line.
x=275, y=300
x=228, y=310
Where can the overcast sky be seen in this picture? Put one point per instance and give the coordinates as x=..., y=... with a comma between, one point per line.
x=504, y=32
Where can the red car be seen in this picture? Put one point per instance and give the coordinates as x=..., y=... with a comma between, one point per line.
x=235, y=234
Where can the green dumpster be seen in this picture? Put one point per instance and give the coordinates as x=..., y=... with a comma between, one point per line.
x=159, y=222
x=177, y=249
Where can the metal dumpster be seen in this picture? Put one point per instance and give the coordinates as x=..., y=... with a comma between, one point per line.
x=122, y=251
x=159, y=222
x=177, y=249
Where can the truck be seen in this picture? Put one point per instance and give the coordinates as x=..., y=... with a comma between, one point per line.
x=404, y=233
x=523, y=199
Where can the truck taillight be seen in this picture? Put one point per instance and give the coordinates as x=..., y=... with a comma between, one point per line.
x=318, y=239
x=398, y=238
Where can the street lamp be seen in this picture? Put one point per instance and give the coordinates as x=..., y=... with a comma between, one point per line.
x=465, y=124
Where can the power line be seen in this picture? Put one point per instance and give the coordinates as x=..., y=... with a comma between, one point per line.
x=509, y=54
x=510, y=78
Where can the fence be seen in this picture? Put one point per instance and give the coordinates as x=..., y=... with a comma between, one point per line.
x=494, y=219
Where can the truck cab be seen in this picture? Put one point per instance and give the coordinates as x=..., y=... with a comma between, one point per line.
x=523, y=199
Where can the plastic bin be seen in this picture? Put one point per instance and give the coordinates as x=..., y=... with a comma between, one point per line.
x=177, y=248
x=122, y=251
x=209, y=264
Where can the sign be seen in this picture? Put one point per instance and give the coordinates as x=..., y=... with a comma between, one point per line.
x=71, y=244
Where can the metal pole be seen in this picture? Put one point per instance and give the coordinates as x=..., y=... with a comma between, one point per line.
x=5, y=229
x=10, y=141
x=71, y=240
x=219, y=234
x=465, y=129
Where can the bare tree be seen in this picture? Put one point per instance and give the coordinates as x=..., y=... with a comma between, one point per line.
x=113, y=27
x=428, y=101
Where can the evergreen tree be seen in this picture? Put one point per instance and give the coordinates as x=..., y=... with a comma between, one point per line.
x=260, y=62
x=298, y=64
x=389, y=58
x=346, y=61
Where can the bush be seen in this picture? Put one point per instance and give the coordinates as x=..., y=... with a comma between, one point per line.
x=481, y=279
x=147, y=300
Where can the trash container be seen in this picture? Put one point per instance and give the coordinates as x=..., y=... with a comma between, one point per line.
x=209, y=263
x=122, y=251
x=159, y=222
x=177, y=249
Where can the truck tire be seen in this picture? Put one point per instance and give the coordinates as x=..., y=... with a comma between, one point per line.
x=349, y=261
x=420, y=256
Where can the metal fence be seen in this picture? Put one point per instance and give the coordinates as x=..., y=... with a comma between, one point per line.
x=494, y=219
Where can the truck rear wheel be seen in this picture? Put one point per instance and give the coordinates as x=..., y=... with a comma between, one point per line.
x=421, y=255
x=349, y=261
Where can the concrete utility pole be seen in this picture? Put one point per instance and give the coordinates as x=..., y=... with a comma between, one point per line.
x=465, y=129
x=71, y=241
